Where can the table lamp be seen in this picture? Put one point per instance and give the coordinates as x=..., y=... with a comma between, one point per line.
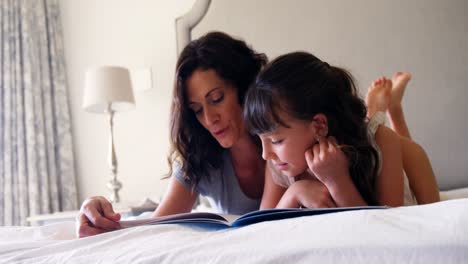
x=108, y=89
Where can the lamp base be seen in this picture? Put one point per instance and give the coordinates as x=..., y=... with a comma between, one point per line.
x=114, y=186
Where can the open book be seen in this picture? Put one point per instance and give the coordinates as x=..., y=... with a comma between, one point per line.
x=216, y=220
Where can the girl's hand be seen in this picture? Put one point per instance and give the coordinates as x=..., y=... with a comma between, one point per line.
x=328, y=163
x=307, y=193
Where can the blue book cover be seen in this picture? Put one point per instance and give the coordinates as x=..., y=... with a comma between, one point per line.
x=213, y=220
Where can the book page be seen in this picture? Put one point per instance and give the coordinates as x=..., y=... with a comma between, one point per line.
x=230, y=218
x=197, y=217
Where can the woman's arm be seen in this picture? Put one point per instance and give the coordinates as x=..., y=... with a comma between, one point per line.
x=178, y=199
x=389, y=183
x=97, y=216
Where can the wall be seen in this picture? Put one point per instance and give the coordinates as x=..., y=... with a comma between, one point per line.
x=372, y=38
x=135, y=34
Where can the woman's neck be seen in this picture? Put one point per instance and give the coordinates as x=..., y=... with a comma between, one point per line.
x=245, y=151
x=248, y=166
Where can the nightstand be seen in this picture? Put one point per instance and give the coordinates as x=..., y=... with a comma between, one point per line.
x=124, y=209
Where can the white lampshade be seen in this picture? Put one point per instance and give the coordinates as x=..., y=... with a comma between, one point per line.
x=108, y=86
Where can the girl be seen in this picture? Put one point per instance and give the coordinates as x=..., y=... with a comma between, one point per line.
x=313, y=128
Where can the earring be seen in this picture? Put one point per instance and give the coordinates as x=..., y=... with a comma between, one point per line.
x=319, y=138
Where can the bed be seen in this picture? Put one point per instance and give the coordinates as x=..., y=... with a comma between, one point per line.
x=435, y=233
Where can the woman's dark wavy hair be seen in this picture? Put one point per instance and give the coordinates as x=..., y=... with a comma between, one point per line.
x=303, y=86
x=192, y=146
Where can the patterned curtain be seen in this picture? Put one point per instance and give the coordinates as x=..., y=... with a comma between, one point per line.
x=37, y=173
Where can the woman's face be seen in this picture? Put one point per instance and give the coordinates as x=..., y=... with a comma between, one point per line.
x=216, y=106
x=285, y=147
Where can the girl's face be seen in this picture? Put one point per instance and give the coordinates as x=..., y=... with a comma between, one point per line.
x=216, y=106
x=285, y=147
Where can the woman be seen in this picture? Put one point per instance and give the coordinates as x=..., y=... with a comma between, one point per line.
x=212, y=153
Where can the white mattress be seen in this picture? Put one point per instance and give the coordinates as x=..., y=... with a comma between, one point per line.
x=436, y=233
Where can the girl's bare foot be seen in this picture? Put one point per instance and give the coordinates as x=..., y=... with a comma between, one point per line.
x=378, y=96
x=399, y=80
x=395, y=110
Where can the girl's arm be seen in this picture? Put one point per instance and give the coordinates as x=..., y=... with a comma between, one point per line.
x=272, y=192
x=389, y=183
x=345, y=193
x=307, y=193
x=178, y=199
x=330, y=166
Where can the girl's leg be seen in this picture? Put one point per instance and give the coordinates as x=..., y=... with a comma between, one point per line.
x=416, y=163
x=419, y=171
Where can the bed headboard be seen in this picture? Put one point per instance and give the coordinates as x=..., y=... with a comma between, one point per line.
x=371, y=39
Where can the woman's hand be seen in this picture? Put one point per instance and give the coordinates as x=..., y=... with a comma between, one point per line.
x=96, y=216
x=328, y=163
x=307, y=193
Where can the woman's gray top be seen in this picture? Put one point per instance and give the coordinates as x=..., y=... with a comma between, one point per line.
x=222, y=189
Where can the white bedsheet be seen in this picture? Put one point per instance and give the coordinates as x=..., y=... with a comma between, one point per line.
x=436, y=233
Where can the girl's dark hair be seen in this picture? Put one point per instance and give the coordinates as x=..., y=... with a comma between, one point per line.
x=236, y=63
x=303, y=86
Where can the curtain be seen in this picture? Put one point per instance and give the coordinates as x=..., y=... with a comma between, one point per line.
x=37, y=173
